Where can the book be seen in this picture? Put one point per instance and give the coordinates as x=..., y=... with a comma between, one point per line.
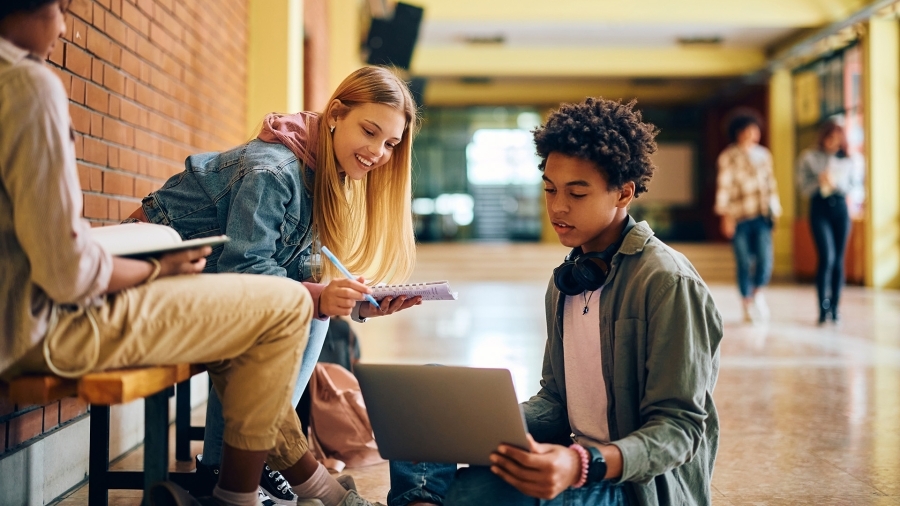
x=434, y=290
x=141, y=240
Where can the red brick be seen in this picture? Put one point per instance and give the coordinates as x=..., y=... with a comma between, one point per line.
x=78, y=35
x=115, y=55
x=76, y=90
x=113, y=157
x=94, y=207
x=118, y=184
x=57, y=56
x=113, y=80
x=81, y=118
x=70, y=407
x=137, y=19
x=6, y=407
x=115, y=106
x=118, y=132
x=116, y=7
x=104, y=3
x=51, y=415
x=128, y=160
x=94, y=151
x=96, y=183
x=84, y=176
x=25, y=426
x=78, y=61
x=113, y=209
x=131, y=113
x=98, y=44
x=129, y=88
x=143, y=187
x=96, y=98
x=99, y=16
x=115, y=28
x=79, y=145
x=97, y=71
x=96, y=125
x=82, y=9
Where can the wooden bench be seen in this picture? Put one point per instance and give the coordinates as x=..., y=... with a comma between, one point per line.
x=104, y=389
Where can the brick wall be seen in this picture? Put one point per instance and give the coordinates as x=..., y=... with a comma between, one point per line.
x=149, y=82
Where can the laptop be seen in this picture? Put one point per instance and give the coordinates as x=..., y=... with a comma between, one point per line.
x=457, y=415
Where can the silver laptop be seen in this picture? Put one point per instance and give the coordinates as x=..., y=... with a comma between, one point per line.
x=441, y=414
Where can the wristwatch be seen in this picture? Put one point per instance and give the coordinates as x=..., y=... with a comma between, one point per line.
x=596, y=465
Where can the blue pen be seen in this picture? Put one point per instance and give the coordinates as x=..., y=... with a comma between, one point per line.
x=344, y=270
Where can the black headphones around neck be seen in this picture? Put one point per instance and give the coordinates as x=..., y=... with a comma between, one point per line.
x=582, y=272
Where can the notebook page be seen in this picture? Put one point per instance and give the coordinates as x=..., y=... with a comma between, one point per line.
x=434, y=290
x=133, y=238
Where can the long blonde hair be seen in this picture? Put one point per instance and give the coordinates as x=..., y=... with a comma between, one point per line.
x=367, y=223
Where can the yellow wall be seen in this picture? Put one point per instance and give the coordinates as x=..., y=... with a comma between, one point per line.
x=781, y=142
x=275, y=59
x=345, y=34
x=882, y=98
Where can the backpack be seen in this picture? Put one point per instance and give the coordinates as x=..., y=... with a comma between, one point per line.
x=340, y=434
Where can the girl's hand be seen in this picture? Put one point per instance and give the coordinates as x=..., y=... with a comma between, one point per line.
x=543, y=472
x=190, y=261
x=340, y=295
x=389, y=306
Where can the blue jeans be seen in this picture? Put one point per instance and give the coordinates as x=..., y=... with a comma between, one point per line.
x=215, y=423
x=475, y=486
x=753, y=254
x=829, y=221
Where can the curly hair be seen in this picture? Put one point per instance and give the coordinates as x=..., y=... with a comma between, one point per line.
x=607, y=132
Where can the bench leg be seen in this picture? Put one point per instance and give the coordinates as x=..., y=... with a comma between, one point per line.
x=98, y=460
x=156, y=440
x=183, y=421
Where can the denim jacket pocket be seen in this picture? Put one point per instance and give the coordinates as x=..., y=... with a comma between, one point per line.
x=292, y=232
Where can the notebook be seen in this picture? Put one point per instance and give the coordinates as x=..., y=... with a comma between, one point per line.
x=457, y=415
x=434, y=290
x=141, y=240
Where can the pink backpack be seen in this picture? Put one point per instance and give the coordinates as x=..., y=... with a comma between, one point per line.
x=340, y=434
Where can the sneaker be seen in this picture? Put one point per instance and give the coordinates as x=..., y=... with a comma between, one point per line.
x=206, y=478
x=276, y=487
x=762, y=309
x=353, y=499
x=263, y=499
x=345, y=480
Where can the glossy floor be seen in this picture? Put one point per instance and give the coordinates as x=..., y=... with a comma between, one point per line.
x=810, y=415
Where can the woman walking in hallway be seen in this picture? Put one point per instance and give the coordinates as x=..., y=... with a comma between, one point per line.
x=829, y=176
x=747, y=200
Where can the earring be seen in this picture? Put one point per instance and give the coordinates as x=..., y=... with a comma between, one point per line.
x=332, y=128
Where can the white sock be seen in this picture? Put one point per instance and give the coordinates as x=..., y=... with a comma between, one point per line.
x=321, y=485
x=230, y=498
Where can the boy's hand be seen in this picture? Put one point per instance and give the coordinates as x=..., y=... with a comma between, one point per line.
x=190, y=261
x=340, y=295
x=728, y=226
x=544, y=472
x=389, y=306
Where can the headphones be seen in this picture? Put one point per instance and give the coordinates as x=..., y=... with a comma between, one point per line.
x=582, y=272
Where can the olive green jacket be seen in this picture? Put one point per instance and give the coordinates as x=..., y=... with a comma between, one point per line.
x=659, y=332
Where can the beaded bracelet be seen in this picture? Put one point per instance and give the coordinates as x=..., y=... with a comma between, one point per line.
x=585, y=459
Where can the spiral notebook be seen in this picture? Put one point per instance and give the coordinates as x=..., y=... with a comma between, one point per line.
x=433, y=290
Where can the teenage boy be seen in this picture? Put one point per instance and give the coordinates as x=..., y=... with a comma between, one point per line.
x=625, y=413
x=70, y=308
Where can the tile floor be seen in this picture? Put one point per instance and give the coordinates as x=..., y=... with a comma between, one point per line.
x=810, y=415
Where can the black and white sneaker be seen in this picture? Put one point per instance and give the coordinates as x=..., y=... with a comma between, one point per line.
x=277, y=488
x=206, y=478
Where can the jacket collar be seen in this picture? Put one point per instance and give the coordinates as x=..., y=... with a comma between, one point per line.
x=636, y=239
x=12, y=53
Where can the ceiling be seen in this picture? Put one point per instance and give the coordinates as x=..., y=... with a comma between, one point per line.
x=662, y=51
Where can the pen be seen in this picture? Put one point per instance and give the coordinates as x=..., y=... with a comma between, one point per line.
x=345, y=272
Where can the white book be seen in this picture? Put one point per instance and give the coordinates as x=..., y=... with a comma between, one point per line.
x=138, y=240
x=434, y=290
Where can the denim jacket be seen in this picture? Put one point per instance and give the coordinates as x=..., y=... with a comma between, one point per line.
x=660, y=333
x=256, y=195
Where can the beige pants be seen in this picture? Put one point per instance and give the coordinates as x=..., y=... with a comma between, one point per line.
x=249, y=330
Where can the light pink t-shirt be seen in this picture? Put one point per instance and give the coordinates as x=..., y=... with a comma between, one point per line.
x=585, y=387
